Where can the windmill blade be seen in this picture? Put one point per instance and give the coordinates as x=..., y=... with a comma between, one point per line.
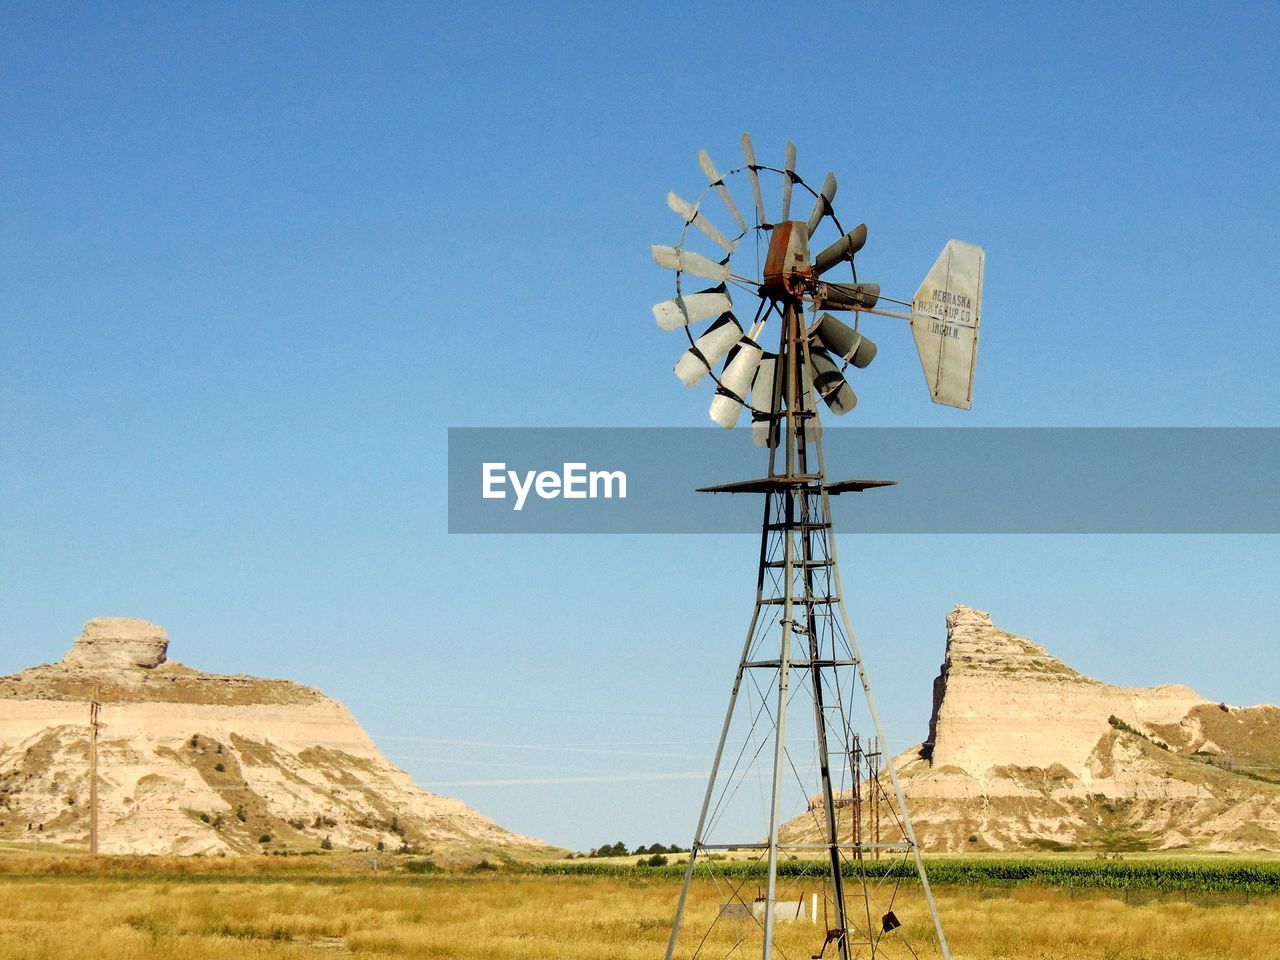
x=849, y=296
x=691, y=215
x=812, y=425
x=846, y=248
x=735, y=382
x=749, y=154
x=843, y=341
x=788, y=178
x=717, y=181
x=682, y=311
x=945, y=313
x=685, y=261
x=763, y=419
x=830, y=384
x=822, y=206
x=708, y=350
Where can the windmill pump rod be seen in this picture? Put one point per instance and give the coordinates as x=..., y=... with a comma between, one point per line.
x=883, y=313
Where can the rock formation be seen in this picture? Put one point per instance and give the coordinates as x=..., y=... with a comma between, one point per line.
x=118, y=644
x=1024, y=752
x=197, y=763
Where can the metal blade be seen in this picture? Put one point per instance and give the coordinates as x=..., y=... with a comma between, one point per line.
x=830, y=384
x=846, y=296
x=822, y=206
x=812, y=425
x=749, y=154
x=846, y=248
x=708, y=350
x=843, y=341
x=787, y=179
x=762, y=419
x=685, y=261
x=717, y=181
x=673, y=314
x=691, y=215
x=735, y=382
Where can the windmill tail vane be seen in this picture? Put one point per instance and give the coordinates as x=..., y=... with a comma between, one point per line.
x=800, y=822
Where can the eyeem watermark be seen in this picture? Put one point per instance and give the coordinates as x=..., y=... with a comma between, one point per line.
x=996, y=480
x=573, y=482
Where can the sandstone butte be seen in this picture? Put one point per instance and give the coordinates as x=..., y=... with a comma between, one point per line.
x=1025, y=753
x=198, y=763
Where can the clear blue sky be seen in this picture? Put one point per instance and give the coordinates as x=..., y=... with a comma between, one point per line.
x=257, y=259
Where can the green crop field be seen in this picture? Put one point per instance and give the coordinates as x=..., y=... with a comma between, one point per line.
x=1166, y=875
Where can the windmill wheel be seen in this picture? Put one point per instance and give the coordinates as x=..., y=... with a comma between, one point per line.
x=786, y=275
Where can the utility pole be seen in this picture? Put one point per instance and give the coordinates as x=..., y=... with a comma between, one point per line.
x=873, y=766
x=857, y=796
x=95, y=708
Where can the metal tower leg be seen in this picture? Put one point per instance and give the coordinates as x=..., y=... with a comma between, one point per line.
x=780, y=720
x=699, y=832
x=908, y=829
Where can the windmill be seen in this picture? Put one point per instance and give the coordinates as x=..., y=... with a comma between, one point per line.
x=800, y=651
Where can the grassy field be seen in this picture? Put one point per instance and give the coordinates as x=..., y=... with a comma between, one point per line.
x=142, y=909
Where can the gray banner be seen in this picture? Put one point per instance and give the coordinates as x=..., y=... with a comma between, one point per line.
x=983, y=480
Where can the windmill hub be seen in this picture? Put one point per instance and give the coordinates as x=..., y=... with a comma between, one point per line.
x=787, y=270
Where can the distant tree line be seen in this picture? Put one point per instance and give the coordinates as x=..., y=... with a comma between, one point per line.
x=619, y=849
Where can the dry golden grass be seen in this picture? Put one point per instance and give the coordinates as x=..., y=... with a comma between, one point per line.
x=161, y=913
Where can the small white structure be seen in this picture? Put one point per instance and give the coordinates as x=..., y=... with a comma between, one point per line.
x=784, y=910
